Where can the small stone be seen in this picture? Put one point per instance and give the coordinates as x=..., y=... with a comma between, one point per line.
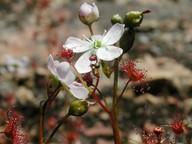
x=94, y=109
x=25, y=96
x=104, y=116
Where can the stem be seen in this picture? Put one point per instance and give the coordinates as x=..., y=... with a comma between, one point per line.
x=41, y=123
x=114, y=117
x=52, y=96
x=90, y=29
x=105, y=101
x=57, y=127
x=43, y=108
x=97, y=82
x=120, y=96
x=91, y=92
x=96, y=98
x=101, y=104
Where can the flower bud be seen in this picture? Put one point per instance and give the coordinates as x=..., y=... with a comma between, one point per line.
x=127, y=40
x=88, y=79
x=93, y=57
x=78, y=107
x=133, y=19
x=67, y=54
x=88, y=13
x=116, y=19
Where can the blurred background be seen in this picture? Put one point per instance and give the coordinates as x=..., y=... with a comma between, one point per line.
x=30, y=30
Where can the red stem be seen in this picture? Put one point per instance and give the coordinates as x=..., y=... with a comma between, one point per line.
x=96, y=97
x=43, y=106
x=101, y=104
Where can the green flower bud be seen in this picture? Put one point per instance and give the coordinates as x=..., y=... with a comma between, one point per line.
x=78, y=107
x=134, y=18
x=127, y=40
x=116, y=19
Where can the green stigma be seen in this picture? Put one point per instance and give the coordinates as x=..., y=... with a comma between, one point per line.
x=97, y=44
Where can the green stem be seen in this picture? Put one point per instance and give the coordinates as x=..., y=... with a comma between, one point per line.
x=90, y=29
x=114, y=117
x=57, y=127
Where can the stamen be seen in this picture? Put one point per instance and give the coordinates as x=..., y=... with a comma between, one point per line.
x=105, y=31
x=86, y=38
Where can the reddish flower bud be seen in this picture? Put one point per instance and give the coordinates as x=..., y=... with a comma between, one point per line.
x=67, y=54
x=88, y=79
x=93, y=57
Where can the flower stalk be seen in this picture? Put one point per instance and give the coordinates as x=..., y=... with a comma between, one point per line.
x=120, y=96
x=57, y=127
x=43, y=108
x=114, y=118
x=90, y=29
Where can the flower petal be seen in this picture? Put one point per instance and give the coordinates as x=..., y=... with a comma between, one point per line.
x=51, y=65
x=95, y=38
x=95, y=11
x=114, y=34
x=109, y=53
x=83, y=63
x=76, y=44
x=65, y=74
x=85, y=9
x=78, y=90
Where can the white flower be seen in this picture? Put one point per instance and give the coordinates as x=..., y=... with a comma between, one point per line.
x=102, y=46
x=65, y=73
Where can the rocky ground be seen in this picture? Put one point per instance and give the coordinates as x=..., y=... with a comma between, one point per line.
x=30, y=31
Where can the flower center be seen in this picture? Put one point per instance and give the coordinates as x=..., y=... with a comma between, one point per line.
x=97, y=44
